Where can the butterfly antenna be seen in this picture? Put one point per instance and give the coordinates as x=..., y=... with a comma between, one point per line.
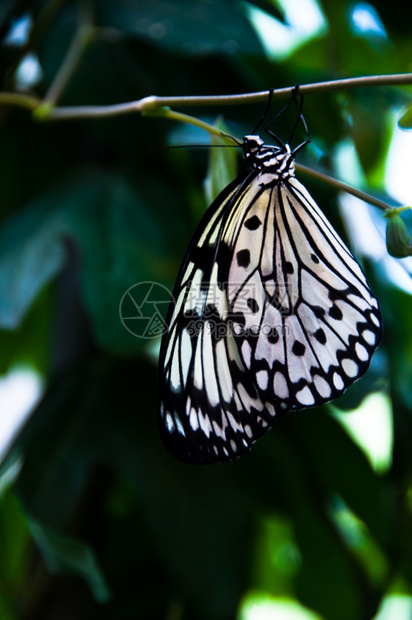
x=227, y=135
x=197, y=146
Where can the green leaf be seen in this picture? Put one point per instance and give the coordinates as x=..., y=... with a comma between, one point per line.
x=120, y=245
x=15, y=537
x=30, y=256
x=6, y=609
x=54, y=480
x=406, y=120
x=222, y=164
x=118, y=240
x=277, y=557
x=9, y=471
x=272, y=7
x=184, y=27
x=64, y=555
x=371, y=133
x=29, y=344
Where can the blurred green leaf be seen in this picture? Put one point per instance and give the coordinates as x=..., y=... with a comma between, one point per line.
x=30, y=257
x=184, y=27
x=277, y=557
x=118, y=242
x=222, y=165
x=6, y=609
x=120, y=246
x=370, y=132
x=29, y=344
x=63, y=555
x=369, y=498
x=53, y=447
x=15, y=537
x=272, y=7
x=406, y=120
x=357, y=537
x=9, y=472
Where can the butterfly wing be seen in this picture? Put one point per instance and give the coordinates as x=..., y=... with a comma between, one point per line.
x=308, y=320
x=209, y=407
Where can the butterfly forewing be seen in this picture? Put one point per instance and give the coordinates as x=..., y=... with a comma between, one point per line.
x=309, y=321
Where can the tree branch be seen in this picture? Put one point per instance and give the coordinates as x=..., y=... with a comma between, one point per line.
x=152, y=103
x=157, y=106
x=340, y=185
x=19, y=100
x=316, y=174
x=81, y=40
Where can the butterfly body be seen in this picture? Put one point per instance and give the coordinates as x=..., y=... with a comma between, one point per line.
x=271, y=312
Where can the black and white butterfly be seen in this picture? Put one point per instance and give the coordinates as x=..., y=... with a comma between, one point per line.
x=270, y=312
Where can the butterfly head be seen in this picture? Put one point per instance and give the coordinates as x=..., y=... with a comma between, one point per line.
x=274, y=159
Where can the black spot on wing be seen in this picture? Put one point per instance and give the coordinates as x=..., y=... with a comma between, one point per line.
x=252, y=305
x=318, y=311
x=273, y=336
x=253, y=223
x=320, y=336
x=243, y=258
x=336, y=313
x=298, y=348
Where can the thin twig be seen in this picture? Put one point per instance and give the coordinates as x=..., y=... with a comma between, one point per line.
x=325, y=178
x=153, y=103
x=19, y=100
x=82, y=38
x=192, y=120
x=84, y=34
x=157, y=106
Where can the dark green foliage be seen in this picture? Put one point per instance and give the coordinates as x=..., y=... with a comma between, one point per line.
x=96, y=520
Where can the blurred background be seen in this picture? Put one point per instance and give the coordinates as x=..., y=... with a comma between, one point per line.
x=97, y=521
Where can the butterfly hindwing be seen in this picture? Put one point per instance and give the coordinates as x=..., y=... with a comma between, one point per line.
x=210, y=408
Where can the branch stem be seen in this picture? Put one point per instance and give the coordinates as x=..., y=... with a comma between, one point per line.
x=340, y=185
x=185, y=118
x=82, y=38
x=158, y=106
x=316, y=174
x=19, y=100
x=150, y=103
x=153, y=103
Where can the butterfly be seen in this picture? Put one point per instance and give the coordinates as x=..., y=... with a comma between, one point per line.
x=270, y=312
